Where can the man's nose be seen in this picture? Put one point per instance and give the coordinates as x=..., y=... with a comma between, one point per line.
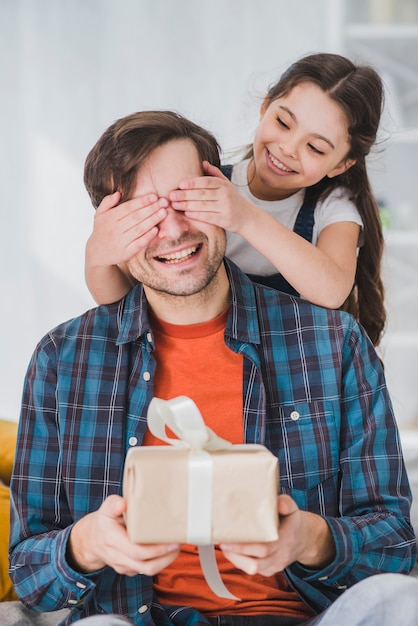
x=173, y=225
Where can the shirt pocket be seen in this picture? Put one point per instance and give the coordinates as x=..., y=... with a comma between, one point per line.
x=308, y=445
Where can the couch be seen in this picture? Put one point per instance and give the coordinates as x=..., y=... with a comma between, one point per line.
x=8, y=432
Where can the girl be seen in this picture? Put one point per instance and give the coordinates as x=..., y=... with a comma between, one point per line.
x=299, y=209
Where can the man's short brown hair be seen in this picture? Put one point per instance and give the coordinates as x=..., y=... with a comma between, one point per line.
x=113, y=163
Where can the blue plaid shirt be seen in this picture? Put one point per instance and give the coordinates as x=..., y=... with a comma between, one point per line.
x=313, y=392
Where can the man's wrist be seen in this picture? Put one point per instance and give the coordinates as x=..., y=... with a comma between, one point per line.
x=319, y=550
x=78, y=554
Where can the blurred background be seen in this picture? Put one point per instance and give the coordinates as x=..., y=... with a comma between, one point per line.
x=69, y=68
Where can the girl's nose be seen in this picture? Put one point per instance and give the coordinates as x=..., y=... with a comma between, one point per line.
x=289, y=147
x=173, y=225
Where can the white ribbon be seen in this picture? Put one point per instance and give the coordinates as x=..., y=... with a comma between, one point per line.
x=199, y=512
x=183, y=417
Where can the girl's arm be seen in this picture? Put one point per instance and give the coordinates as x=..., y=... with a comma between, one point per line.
x=323, y=273
x=119, y=232
x=107, y=283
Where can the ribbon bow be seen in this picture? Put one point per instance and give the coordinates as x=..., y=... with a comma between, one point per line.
x=184, y=419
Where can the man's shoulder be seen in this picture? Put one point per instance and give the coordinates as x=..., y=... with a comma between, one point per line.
x=280, y=301
x=280, y=304
x=281, y=312
x=98, y=321
x=302, y=304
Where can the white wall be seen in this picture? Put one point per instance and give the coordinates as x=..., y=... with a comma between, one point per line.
x=71, y=67
x=68, y=69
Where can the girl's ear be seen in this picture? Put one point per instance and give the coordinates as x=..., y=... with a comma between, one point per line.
x=342, y=167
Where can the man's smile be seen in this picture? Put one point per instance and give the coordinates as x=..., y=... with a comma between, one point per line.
x=178, y=257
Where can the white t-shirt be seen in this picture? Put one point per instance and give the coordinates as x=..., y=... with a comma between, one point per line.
x=335, y=208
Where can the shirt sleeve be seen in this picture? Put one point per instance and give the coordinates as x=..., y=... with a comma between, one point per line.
x=40, y=573
x=337, y=207
x=373, y=532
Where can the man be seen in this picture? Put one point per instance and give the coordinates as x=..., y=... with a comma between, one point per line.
x=262, y=367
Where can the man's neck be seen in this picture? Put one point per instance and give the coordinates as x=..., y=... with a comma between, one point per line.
x=194, y=309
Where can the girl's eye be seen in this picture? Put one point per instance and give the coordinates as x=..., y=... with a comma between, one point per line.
x=282, y=123
x=314, y=149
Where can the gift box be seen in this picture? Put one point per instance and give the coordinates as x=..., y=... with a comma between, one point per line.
x=200, y=489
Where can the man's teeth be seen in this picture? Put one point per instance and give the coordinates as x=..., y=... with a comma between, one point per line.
x=175, y=257
x=279, y=164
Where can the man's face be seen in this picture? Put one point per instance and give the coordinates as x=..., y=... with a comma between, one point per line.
x=185, y=255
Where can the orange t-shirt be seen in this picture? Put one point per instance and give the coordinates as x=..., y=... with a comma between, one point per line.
x=194, y=361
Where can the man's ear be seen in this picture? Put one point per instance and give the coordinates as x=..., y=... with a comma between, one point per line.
x=342, y=167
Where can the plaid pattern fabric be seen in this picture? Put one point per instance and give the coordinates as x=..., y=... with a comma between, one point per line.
x=313, y=392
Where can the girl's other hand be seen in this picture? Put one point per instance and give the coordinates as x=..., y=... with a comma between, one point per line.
x=121, y=230
x=212, y=199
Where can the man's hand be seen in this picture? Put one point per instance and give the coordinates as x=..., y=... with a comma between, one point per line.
x=100, y=539
x=303, y=537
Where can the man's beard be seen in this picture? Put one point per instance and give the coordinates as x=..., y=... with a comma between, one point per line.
x=189, y=281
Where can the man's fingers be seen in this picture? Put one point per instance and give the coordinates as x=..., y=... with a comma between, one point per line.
x=257, y=550
x=114, y=506
x=286, y=505
x=252, y=565
x=148, y=566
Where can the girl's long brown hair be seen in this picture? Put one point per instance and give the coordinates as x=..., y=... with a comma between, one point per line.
x=358, y=89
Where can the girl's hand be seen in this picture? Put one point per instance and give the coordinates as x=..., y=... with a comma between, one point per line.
x=212, y=199
x=121, y=230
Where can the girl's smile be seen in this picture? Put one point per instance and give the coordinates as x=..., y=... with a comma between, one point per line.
x=302, y=137
x=276, y=164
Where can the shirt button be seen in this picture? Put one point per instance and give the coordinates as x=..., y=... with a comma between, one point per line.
x=323, y=578
x=146, y=376
x=81, y=585
x=149, y=337
x=72, y=601
x=294, y=415
x=143, y=609
x=133, y=441
x=341, y=586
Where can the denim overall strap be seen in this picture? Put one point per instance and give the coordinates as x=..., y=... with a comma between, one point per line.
x=303, y=226
x=227, y=171
x=305, y=220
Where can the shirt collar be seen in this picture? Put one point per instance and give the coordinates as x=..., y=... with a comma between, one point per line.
x=242, y=321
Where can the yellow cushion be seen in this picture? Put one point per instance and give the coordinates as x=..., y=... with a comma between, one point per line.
x=8, y=431
x=6, y=588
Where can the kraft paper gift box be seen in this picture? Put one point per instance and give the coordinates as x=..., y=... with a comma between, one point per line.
x=200, y=489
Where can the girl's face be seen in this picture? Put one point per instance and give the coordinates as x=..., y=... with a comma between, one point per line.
x=301, y=138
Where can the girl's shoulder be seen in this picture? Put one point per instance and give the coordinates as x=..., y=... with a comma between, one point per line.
x=337, y=201
x=336, y=207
